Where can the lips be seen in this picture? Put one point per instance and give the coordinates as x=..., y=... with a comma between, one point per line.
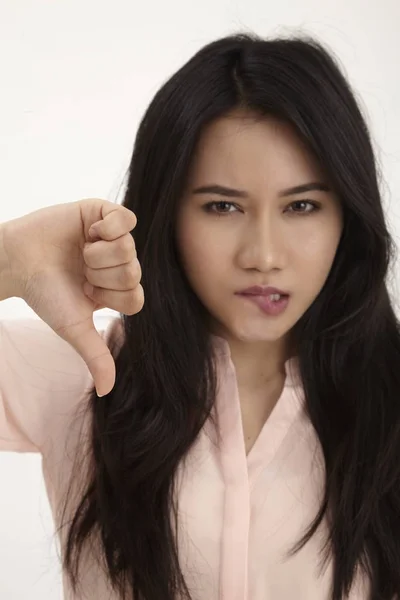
x=259, y=290
x=266, y=301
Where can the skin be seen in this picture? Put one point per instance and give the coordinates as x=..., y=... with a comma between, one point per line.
x=260, y=239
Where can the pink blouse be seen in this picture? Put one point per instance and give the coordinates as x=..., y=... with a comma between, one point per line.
x=239, y=515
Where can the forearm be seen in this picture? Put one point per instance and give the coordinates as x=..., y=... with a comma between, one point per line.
x=8, y=286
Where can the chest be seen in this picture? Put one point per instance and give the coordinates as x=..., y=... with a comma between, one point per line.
x=238, y=522
x=255, y=410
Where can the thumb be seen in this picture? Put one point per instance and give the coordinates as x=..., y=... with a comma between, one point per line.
x=94, y=351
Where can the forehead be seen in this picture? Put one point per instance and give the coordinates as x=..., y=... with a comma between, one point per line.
x=243, y=148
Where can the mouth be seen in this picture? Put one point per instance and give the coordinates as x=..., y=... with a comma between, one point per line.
x=258, y=290
x=270, y=301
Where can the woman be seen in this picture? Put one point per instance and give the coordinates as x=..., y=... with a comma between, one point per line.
x=250, y=446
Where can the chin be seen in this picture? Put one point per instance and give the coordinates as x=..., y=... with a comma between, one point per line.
x=254, y=333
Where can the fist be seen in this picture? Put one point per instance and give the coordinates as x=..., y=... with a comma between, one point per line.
x=69, y=260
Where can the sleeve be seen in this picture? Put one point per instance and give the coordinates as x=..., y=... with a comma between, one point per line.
x=42, y=379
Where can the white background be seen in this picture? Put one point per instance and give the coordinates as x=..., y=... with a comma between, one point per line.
x=76, y=77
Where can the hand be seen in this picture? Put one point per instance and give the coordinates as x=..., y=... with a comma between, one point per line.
x=54, y=259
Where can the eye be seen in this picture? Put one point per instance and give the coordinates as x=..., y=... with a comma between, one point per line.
x=314, y=207
x=220, y=208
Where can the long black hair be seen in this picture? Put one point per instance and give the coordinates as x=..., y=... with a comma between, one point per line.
x=347, y=342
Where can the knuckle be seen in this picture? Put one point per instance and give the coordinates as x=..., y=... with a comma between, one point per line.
x=129, y=277
x=127, y=246
x=137, y=301
x=122, y=222
x=137, y=270
x=127, y=302
x=130, y=217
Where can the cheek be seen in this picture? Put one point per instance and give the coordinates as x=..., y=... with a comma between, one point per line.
x=203, y=257
x=191, y=248
x=319, y=253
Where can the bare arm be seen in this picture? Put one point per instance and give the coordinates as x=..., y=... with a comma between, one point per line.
x=7, y=285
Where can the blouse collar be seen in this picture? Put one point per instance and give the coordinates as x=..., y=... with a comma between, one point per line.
x=291, y=364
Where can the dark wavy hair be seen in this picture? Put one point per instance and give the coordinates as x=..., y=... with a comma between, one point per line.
x=347, y=342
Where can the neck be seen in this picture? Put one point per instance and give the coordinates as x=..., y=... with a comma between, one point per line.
x=258, y=364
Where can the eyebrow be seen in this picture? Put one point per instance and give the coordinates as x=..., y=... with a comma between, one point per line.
x=221, y=190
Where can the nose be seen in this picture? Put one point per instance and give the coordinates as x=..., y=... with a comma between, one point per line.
x=261, y=246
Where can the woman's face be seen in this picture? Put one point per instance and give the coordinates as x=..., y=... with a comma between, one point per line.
x=230, y=241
